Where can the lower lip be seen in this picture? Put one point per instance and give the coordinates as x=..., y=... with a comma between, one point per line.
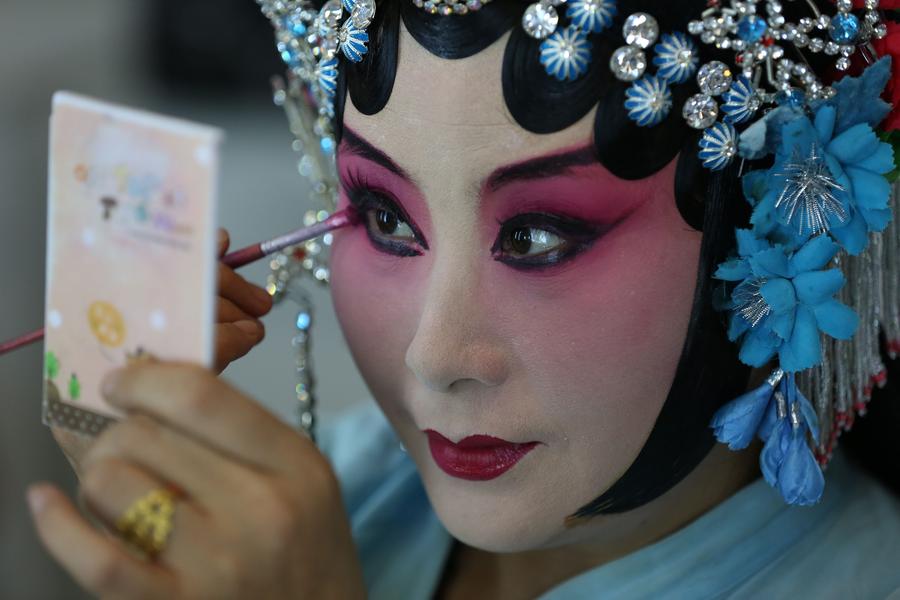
x=489, y=459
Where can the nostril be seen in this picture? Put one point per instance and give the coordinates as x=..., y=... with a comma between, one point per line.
x=444, y=371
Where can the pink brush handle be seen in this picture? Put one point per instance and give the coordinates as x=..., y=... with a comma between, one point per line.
x=19, y=342
x=236, y=259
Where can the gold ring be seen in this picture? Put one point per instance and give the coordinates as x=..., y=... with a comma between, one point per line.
x=147, y=523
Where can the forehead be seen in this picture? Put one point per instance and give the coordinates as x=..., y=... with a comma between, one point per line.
x=447, y=123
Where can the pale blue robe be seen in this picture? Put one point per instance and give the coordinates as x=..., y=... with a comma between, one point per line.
x=750, y=546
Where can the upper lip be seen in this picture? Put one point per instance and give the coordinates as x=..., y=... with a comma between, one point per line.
x=475, y=441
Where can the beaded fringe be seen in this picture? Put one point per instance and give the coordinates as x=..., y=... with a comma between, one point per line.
x=842, y=384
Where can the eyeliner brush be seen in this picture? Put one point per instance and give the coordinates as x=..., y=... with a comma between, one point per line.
x=238, y=258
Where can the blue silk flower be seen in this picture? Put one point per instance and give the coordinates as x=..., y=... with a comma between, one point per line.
x=832, y=152
x=783, y=299
x=784, y=424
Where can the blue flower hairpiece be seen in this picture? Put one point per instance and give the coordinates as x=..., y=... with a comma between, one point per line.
x=823, y=193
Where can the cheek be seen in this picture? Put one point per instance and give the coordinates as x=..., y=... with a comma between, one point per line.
x=374, y=297
x=600, y=346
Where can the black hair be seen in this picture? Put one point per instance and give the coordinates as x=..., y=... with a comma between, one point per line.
x=709, y=372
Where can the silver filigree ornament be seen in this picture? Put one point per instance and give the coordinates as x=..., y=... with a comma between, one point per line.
x=808, y=199
x=308, y=40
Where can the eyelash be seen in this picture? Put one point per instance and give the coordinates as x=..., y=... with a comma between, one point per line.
x=367, y=200
x=575, y=235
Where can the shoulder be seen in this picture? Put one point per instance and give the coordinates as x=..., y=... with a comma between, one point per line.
x=852, y=550
x=401, y=543
x=754, y=546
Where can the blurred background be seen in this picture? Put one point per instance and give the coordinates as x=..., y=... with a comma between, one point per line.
x=204, y=60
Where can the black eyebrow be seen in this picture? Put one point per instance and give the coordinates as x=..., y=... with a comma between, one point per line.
x=364, y=149
x=531, y=169
x=540, y=167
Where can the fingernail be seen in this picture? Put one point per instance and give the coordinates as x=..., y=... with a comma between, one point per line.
x=111, y=382
x=262, y=294
x=248, y=327
x=37, y=499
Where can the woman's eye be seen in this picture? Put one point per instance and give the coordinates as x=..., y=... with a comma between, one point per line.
x=531, y=241
x=535, y=240
x=388, y=223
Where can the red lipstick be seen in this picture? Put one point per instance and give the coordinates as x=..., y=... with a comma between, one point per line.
x=477, y=457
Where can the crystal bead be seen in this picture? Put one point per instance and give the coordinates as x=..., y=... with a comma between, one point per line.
x=844, y=28
x=714, y=78
x=640, y=30
x=540, y=20
x=628, y=63
x=831, y=48
x=823, y=21
x=791, y=97
x=751, y=28
x=363, y=13
x=843, y=63
x=805, y=24
x=816, y=44
x=880, y=30
x=700, y=111
x=331, y=13
x=695, y=27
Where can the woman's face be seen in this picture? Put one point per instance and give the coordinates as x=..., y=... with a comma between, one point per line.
x=505, y=284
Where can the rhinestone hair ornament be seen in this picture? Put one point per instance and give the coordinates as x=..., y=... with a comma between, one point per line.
x=815, y=276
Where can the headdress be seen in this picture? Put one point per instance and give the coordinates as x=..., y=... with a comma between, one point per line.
x=815, y=276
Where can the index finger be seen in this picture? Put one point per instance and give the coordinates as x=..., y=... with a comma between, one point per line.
x=224, y=240
x=193, y=400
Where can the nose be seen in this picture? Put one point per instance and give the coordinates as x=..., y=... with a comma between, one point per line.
x=455, y=341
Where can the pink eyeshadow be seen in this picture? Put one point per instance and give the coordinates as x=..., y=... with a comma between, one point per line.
x=379, y=179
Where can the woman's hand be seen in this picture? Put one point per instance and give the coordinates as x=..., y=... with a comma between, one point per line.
x=238, y=330
x=261, y=515
x=239, y=306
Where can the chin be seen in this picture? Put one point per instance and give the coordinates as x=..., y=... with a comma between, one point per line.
x=497, y=526
x=504, y=515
